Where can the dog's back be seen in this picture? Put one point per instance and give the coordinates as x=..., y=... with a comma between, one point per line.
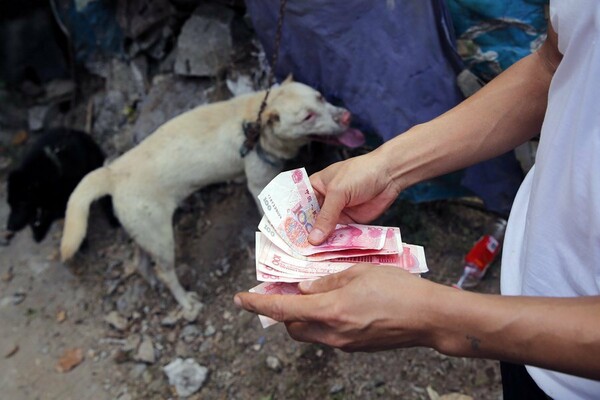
x=38, y=190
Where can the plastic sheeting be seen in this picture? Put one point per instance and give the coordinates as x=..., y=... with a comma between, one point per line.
x=392, y=63
x=492, y=35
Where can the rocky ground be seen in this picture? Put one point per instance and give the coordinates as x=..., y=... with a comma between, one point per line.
x=121, y=325
x=94, y=329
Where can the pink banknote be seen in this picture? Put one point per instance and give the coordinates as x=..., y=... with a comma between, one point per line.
x=273, y=288
x=290, y=205
x=391, y=245
x=411, y=259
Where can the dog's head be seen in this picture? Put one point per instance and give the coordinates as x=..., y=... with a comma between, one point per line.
x=299, y=113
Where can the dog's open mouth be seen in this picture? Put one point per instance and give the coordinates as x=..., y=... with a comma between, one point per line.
x=350, y=138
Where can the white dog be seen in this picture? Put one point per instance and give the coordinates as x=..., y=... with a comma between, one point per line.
x=193, y=150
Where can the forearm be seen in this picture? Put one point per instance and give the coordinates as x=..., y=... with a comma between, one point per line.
x=561, y=334
x=505, y=113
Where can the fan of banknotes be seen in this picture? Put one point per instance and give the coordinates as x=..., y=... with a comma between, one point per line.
x=284, y=256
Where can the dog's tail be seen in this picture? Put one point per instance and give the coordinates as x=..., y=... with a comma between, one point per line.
x=94, y=185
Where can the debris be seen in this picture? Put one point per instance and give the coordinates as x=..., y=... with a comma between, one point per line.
x=132, y=342
x=20, y=138
x=53, y=256
x=433, y=395
x=171, y=318
x=145, y=352
x=58, y=89
x=36, y=117
x=13, y=350
x=70, y=359
x=115, y=320
x=5, y=162
x=189, y=333
x=242, y=84
x=168, y=97
x=186, y=375
x=8, y=275
x=336, y=388
x=61, y=316
x=274, y=364
x=212, y=54
x=209, y=330
x=14, y=299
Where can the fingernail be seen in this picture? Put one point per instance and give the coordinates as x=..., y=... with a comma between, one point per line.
x=305, y=285
x=316, y=236
x=237, y=301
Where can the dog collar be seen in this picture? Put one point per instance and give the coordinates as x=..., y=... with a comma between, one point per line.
x=252, y=142
x=54, y=158
x=269, y=158
x=252, y=134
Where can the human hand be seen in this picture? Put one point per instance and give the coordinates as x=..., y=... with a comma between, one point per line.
x=364, y=308
x=357, y=190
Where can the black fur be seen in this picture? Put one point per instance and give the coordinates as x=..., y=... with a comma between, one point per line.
x=38, y=190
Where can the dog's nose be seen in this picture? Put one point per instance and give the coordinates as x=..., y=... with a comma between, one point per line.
x=345, y=118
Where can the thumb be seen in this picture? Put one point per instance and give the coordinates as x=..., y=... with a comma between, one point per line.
x=327, y=218
x=326, y=283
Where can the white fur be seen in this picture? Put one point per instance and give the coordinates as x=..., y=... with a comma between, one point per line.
x=195, y=149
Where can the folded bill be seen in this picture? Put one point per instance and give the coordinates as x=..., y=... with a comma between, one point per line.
x=290, y=205
x=273, y=288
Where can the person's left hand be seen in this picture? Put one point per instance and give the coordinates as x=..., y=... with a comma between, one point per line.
x=364, y=308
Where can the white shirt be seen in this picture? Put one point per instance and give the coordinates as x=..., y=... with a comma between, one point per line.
x=552, y=243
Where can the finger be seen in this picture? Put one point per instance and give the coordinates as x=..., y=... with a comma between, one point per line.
x=328, y=217
x=283, y=308
x=327, y=283
x=310, y=332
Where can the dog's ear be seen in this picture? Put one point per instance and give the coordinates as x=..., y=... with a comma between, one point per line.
x=289, y=79
x=272, y=117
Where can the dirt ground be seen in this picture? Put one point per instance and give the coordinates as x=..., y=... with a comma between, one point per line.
x=47, y=308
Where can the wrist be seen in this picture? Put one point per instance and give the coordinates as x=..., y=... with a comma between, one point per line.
x=450, y=321
x=403, y=158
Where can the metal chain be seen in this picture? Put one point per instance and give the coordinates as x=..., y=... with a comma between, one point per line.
x=274, y=60
x=252, y=129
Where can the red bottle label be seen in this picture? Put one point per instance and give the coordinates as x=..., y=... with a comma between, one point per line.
x=483, y=252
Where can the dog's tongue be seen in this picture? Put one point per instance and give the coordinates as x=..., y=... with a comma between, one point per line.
x=351, y=138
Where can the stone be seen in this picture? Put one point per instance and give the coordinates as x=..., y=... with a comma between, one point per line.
x=168, y=97
x=145, y=352
x=205, y=45
x=187, y=376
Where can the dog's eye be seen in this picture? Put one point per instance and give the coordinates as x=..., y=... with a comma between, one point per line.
x=321, y=99
x=310, y=116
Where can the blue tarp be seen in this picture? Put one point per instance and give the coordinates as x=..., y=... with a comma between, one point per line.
x=493, y=35
x=387, y=61
x=394, y=64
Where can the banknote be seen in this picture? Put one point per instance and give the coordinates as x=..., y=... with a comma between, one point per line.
x=412, y=259
x=391, y=245
x=290, y=205
x=273, y=288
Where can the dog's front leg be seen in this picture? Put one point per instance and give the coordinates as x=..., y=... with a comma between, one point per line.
x=258, y=175
x=189, y=301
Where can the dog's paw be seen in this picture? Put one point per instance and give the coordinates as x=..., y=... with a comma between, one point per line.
x=191, y=313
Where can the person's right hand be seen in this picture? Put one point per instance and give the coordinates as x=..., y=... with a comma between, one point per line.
x=357, y=190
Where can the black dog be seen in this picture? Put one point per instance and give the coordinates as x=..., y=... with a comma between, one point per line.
x=38, y=190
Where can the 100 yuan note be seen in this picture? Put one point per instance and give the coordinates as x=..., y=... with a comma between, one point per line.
x=412, y=259
x=274, y=288
x=391, y=245
x=290, y=205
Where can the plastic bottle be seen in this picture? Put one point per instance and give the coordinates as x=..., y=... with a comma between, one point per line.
x=482, y=255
